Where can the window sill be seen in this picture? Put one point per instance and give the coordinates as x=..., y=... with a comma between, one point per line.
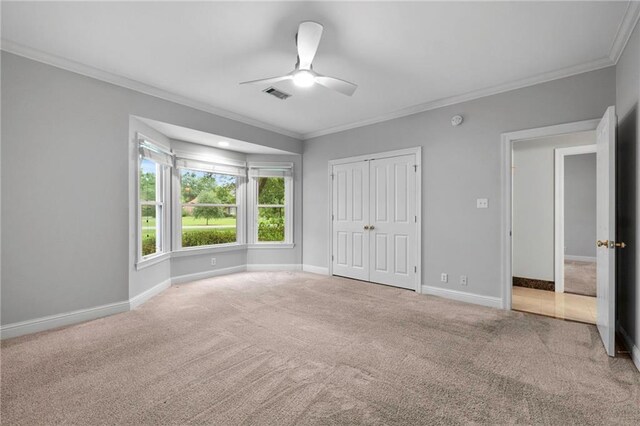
x=271, y=246
x=194, y=251
x=150, y=261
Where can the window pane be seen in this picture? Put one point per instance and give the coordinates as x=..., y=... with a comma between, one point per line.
x=148, y=229
x=207, y=188
x=203, y=226
x=271, y=190
x=147, y=180
x=271, y=223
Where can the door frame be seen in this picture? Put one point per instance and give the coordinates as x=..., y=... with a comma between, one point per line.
x=417, y=153
x=558, y=204
x=508, y=140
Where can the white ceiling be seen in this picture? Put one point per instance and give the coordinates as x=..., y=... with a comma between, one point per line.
x=403, y=56
x=195, y=136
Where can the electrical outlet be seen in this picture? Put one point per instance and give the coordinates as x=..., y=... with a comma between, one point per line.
x=482, y=203
x=463, y=280
x=213, y=261
x=444, y=278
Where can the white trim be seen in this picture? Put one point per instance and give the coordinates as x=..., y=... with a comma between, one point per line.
x=463, y=296
x=628, y=23
x=255, y=267
x=625, y=30
x=320, y=270
x=631, y=347
x=377, y=155
x=270, y=246
x=60, y=320
x=89, y=71
x=143, y=297
x=154, y=260
x=476, y=94
x=180, y=279
x=508, y=139
x=75, y=317
x=558, y=204
x=580, y=258
x=417, y=153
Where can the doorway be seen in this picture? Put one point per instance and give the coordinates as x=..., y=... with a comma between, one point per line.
x=553, y=218
x=537, y=245
x=375, y=218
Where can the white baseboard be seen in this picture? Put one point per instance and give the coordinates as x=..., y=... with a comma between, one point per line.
x=60, y=320
x=462, y=296
x=580, y=258
x=82, y=315
x=180, y=279
x=315, y=269
x=138, y=300
x=269, y=267
x=633, y=349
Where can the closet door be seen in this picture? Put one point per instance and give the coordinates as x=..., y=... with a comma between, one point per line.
x=392, y=220
x=350, y=217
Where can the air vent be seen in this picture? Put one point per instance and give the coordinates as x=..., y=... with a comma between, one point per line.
x=277, y=93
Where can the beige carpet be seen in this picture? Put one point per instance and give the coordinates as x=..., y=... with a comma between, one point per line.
x=294, y=348
x=580, y=277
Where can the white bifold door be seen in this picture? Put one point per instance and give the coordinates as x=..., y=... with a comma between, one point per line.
x=374, y=220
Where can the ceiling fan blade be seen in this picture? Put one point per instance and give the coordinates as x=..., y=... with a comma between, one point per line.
x=342, y=86
x=308, y=39
x=268, y=80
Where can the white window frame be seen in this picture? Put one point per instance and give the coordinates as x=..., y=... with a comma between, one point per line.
x=253, y=206
x=163, y=225
x=240, y=205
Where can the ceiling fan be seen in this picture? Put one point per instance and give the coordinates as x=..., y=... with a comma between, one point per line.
x=307, y=40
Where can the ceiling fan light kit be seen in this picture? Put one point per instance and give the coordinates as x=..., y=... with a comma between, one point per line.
x=303, y=78
x=307, y=41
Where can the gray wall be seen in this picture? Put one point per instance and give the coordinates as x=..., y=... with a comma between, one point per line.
x=460, y=164
x=628, y=185
x=580, y=205
x=533, y=203
x=65, y=142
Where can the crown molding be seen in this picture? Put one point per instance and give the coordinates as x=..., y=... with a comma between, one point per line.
x=628, y=23
x=89, y=71
x=469, y=96
x=625, y=29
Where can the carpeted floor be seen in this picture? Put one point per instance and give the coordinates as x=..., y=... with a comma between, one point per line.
x=580, y=277
x=284, y=348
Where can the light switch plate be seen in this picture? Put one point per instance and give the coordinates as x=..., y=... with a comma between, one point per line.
x=482, y=203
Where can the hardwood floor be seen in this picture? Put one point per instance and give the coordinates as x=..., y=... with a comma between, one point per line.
x=568, y=306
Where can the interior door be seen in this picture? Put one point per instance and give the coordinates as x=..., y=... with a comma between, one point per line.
x=350, y=249
x=606, y=225
x=392, y=221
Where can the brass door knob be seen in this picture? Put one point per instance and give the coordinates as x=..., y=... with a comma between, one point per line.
x=601, y=243
x=621, y=245
x=366, y=227
x=371, y=227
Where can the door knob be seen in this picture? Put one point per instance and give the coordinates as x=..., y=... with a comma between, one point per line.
x=601, y=243
x=620, y=245
x=366, y=227
x=371, y=227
